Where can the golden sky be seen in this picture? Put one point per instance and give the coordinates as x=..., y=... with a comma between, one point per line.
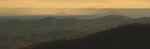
x=75, y=3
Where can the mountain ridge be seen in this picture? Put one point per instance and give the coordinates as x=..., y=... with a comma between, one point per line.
x=32, y=30
x=131, y=12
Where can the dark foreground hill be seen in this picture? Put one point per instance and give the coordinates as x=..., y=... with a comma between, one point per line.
x=135, y=36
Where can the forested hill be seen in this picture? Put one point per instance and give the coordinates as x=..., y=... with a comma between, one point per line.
x=134, y=36
x=21, y=31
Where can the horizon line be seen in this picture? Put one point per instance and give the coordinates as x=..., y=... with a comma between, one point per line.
x=71, y=8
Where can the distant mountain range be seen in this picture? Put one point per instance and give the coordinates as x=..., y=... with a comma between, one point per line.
x=130, y=12
x=75, y=23
x=16, y=31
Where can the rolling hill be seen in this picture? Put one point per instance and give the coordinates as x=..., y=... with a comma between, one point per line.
x=20, y=31
x=134, y=36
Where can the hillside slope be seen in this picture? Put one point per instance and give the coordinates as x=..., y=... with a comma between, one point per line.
x=135, y=36
x=20, y=31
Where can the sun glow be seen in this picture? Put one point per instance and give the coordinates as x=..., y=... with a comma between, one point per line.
x=74, y=4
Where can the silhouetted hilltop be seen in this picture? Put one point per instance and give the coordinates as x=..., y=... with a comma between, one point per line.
x=135, y=36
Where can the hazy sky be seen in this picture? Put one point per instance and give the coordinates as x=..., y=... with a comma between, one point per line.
x=75, y=3
x=46, y=7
